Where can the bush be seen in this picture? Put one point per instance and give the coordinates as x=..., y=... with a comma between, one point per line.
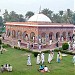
x=6, y=45
x=56, y=50
x=47, y=51
x=0, y=41
x=35, y=54
x=60, y=48
x=65, y=46
x=17, y=48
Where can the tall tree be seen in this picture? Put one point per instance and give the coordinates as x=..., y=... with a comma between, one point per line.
x=28, y=15
x=73, y=19
x=47, y=12
x=13, y=17
x=69, y=15
x=1, y=20
x=56, y=18
x=6, y=15
x=61, y=14
x=21, y=18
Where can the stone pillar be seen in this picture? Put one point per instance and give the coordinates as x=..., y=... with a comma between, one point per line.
x=66, y=36
x=39, y=39
x=54, y=36
x=47, y=38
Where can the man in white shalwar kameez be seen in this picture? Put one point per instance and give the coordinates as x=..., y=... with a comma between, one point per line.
x=38, y=59
x=29, y=61
x=42, y=58
x=49, y=58
x=74, y=59
x=18, y=43
x=50, y=42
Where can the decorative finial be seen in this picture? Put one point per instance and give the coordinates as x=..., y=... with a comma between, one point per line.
x=40, y=9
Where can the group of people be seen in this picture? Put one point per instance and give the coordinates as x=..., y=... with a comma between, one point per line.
x=6, y=67
x=43, y=68
x=41, y=58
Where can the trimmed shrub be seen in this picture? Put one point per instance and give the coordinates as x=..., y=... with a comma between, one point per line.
x=65, y=46
x=56, y=50
x=35, y=54
x=47, y=51
x=17, y=48
x=0, y=41
x=5, y=45
x=60, y=48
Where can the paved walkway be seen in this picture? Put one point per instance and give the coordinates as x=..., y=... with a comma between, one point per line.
x=14, y=43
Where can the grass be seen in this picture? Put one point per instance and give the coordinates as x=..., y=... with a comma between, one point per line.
x=18, y=59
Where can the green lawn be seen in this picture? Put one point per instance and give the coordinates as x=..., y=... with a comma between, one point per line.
x=18, y=60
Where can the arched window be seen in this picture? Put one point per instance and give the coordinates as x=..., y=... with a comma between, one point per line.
x=8, y=32
x=69, y=36
x=57, y=35
x=50, y=35
x=24, y=35
x=19, y=35
x=64, y=36
x=13, y=34
x=32, y=35
x=43, y=38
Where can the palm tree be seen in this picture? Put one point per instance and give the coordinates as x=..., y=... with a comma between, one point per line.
x=28, y=15
x=47, y=12
x=61, y=14
x=69, y=15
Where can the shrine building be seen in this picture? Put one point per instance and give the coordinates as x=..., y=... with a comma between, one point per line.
x=39, y=29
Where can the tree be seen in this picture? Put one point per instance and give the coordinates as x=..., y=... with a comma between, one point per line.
x=69, y=15
x=47, y=12
x=1, y=20
x=21, y=18
x=28, y=15
x=13, y=17
x=56, y=18
x=61, y=14
x=73, y=19
x=6, y=16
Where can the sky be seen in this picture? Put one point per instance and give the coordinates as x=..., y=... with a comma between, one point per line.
x=22, y=6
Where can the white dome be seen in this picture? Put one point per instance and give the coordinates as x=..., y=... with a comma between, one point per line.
x=39, y=17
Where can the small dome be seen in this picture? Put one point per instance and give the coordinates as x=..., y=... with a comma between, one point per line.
x=39, y=17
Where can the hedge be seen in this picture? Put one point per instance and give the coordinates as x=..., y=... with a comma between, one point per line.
x=64, y=51
x=5, y=45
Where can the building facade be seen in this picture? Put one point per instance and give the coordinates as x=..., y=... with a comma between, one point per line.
x=39, y=29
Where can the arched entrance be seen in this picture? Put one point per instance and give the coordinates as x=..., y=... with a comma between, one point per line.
x=24, y=35
x=32, y=36
x=43, y=39
x=64, y=36
x=8, y=32
x=69, y=36
x=51, y=36
x=19, y=34
x=13, y=34
x=57, y=36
